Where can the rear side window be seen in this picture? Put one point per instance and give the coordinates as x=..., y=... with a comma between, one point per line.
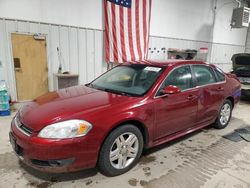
x=180, y=77
x=220, y=75
x=204, y=75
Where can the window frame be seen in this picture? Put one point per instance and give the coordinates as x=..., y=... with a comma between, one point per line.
x=220, y=71
x=195, y=79
x=177, y=67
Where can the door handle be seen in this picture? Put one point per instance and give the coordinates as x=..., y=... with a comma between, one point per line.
x=220, y=89
x=18, y=69
x=191, y=97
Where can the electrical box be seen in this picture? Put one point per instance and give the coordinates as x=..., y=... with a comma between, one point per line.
x=240, y=17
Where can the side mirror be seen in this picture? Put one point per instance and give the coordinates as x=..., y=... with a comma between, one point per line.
x=170, y=90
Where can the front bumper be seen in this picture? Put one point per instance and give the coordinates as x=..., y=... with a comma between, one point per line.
x=54, y=156
x=245, y=90
x=245, y=86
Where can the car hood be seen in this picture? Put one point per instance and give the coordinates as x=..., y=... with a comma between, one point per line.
x=66, y=103
x=241, y=64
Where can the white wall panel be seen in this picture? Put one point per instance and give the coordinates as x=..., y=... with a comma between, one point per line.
x=23, y=27
x=192, y=19
x=52, y=44
x=64, y=47
x=223, y=33
x=82, y=13
x=219, y=54
x=73, y=51
x=3, y=58
x=248, y=41
x=99, y=63
x=43, y=28
x=9, y=67
x=160, y=45
x=82, y=55
x=222, y=54
x=90, y=41
x=34, y=28
x=81, y=50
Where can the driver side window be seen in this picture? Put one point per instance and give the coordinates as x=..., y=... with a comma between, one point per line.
x=180, y=77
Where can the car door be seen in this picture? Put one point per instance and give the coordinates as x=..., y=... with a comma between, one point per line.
x=176, y=112
x=211, y=93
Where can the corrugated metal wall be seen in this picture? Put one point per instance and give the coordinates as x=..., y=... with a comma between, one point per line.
x=219, y=54
x=248, y=41
x=81, y=50
x=222, y=53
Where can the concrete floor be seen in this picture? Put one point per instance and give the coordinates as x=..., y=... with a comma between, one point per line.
x=202, y=159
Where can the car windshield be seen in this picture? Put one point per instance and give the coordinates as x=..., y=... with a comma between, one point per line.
x=131, y=80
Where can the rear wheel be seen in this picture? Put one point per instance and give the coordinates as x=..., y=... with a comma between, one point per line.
x=225, y=115
x=121, y=150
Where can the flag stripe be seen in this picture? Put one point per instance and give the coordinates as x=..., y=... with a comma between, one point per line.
x=122, y=35
x=134, y=38
x=107, y=38
x=144, y=24
x=126, y=35
x=148, y=26
x=130, y=36
x=126, y=30
x=111, y=41
x=137, y=26
x=141, y=27
x=115, y=50
x=118, y=32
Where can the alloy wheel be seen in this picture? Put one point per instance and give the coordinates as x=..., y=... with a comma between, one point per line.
x=225, y=114
x=124, y=150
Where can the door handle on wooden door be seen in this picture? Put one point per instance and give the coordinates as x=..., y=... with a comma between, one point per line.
x=17, y=64
x=18, y=69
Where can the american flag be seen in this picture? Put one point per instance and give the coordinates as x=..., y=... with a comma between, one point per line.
x=127, y=25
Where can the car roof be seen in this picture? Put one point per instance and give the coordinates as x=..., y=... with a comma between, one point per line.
x=168, y=63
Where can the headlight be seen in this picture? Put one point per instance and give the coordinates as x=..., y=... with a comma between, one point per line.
x=66, y=129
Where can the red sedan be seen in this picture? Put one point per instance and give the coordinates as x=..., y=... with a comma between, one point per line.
x=109, y=121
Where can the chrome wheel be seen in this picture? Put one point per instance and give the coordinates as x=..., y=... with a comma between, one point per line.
x=124, y=150
x=225, y=114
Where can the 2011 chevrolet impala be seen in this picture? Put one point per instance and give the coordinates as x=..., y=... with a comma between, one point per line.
x=109, y=121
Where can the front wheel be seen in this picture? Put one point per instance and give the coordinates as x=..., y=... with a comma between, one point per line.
x=121, y=150
x=224, y=116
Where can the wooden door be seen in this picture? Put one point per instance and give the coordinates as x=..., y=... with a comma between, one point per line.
x=30, y=65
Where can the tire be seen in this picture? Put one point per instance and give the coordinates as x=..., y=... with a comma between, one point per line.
x=120, y=149
x=224, y=116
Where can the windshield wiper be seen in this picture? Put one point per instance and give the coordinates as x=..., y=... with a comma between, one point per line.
x=117, y=92
x=91, y=85
x=111, y=90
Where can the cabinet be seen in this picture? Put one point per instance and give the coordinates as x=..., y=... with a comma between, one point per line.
x=65, y=80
